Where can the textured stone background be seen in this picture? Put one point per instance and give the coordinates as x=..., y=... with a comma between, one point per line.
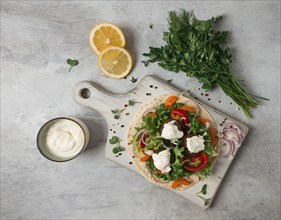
x=36, y=39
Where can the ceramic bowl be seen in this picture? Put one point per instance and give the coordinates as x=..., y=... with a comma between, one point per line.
x=42, y=137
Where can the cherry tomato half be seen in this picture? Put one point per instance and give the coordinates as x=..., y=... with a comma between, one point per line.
x=197, y=162
x=179, y=114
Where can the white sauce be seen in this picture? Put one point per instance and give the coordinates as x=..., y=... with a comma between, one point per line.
x=149, y=152
x=195, y=144
x=208, y=125
x=162, y=160
x=171, y=132
x=64, y=138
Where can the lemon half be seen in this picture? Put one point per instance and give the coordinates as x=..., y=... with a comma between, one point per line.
x=115, y=62
x=104, y=35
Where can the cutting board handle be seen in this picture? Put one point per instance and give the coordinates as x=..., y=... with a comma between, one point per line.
x=89, y=94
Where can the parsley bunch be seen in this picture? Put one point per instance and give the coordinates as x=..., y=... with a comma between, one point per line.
x=194, y=47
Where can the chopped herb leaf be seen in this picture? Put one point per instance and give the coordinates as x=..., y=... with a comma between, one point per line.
x=117, y=112
x=132, y=102
x=145, y=62
x=151, y=26
x=133, y=80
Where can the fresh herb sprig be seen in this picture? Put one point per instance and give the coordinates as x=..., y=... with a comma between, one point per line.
x=194, y=47
x=134, y=80
x=115, y=140
x=72, y=63
x=117, y=112
x=203, y=190
x=132, y=102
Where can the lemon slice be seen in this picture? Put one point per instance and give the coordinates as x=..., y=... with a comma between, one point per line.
x=104, y=35
x=115, y=62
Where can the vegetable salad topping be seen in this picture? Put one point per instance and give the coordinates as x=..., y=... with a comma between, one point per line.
x=175, y=143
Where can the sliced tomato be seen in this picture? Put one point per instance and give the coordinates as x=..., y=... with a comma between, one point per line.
x=170, y=101
x=196, y=162
x=179, y=114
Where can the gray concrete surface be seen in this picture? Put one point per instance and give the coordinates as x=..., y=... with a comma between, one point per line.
x=36, y=39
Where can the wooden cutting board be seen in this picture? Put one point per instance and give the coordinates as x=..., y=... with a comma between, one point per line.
x=91, y=95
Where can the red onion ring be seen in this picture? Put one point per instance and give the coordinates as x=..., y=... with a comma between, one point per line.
x=139, y=143
x=148, y=111
x=143, y=136
x=231, y=125
x=231, y=147
x=235, y=136
x=197, y=110
x=139, y=132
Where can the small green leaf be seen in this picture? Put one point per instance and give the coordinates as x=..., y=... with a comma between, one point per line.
x=114, y=140
x=145, y=62
x=203, y=190
x=132, y=102
x=151, y=26
x=116, y=150
x=133, y=80
x=115, y=111
x=72, y=63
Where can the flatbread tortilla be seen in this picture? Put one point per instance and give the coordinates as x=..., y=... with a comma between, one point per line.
x=137, y=121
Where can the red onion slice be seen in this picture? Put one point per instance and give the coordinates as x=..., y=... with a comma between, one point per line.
x=143, y=136
x=148, y=111
x=232, y=134
x=139, y=143
x=230, y=145
x=231, y=125
x=195, y=106
x=139, y=132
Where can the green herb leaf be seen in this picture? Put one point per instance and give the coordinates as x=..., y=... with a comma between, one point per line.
x=132, y=102
x=72, y=63
x=133, y=80
x=203, y=190
x=114, y=140
x=116, y=150
x=151, y=26
x=117, y=112
x=145, y=63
